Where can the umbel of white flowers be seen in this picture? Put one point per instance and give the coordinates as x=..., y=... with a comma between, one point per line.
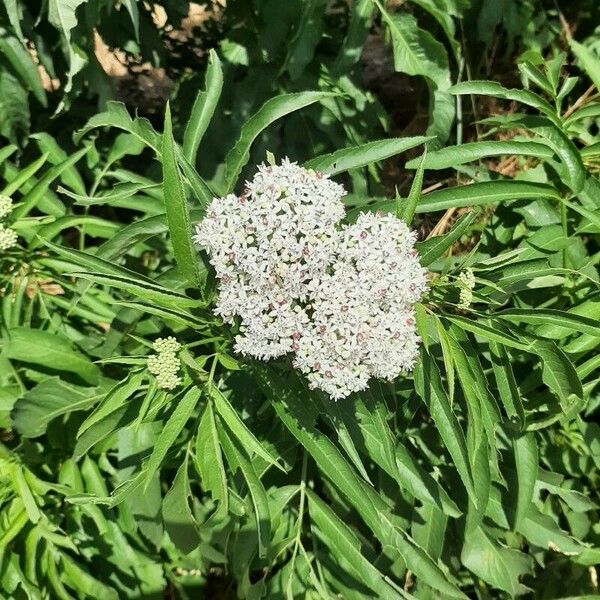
x=340, y=298
x=165, y=364
x=8, y=237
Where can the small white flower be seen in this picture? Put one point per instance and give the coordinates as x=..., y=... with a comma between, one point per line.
x=5, y=206
x=8, y=237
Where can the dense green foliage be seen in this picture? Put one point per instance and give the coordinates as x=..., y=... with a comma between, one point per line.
x=478, y=475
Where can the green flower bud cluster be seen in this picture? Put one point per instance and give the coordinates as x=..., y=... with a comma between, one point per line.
x=466, y=283
x=165, y=364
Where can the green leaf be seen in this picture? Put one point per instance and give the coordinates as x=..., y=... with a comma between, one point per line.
x=208, y=460
x=260, y=503
x=406, y=211
x=589, y=61
x=35, y=197
x=61, y=13
x=429, y=529
x=475, y=194
x=132, y=234
x=301, y=48
x=506, y=383
x=147, y=291
x=431, y=249
x=499, y=566
x=178, y=217
x=14, y=13
x=12, y=520
x=116, y=115
x=271, y=110
x=14, y=108
x=115, y=398
x=177, y=515
x=20, y=60
x=484, y=193
x=526, y=461
x=176, y=315
x=134, y=14
x=298, y=415
x=204, y=107
x=345, y=545
x=120, y=191
x=49, y=350
x=497, y=90
x=553, y=317
x=48, y=400
x=363, y=155
x=93, y=226
x=24, y=175
x=116, y=420
x=483, y=417
x=170, y=432
x=7, y=152
x=417, y=52
x=452, y=156
x=239, y=429
x=428, y=384
x=366, y=419
x=558, y=372
x=81, y=581
x=56, y=155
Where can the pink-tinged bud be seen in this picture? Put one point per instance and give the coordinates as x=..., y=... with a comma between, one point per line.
x=305, y=251
x=413, y=253
x=378, y=213
x=360, y=337
x=295, y=364
x=317, y=366
x=295, y=346
x=412, y=287
x=328, y=374
x=410, y=321
x=344, y=308
x=396, y=335
x=231, y=256
x=296, y=335
x=322, y=328
x=363, y=235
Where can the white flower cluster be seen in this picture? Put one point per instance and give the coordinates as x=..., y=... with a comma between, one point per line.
x=8, y=237
x=267, y=246
x=466, y=283
x=339, y=297
x=165, y=365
